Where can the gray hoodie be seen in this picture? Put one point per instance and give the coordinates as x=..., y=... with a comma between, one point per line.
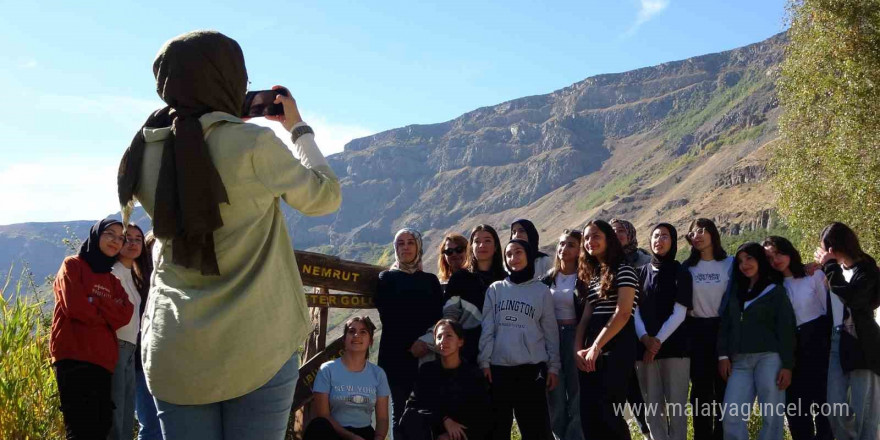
x=519, y=326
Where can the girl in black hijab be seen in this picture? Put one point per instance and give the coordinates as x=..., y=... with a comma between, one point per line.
x=525, y=230
x=519, y=346
x=90, y=305
x=663, y=364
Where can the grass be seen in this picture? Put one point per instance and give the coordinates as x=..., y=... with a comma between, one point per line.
x=28, y=391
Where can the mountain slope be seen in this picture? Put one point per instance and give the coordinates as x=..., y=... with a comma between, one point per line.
x=669, y=142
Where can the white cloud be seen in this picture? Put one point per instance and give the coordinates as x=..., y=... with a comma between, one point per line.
x=331, y=137
x=647, y=10
x=57, y=189
x=27, y=64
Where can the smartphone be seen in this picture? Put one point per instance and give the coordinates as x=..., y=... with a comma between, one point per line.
x=260, y=103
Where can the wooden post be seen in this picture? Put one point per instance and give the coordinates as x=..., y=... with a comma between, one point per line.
x=322, y=329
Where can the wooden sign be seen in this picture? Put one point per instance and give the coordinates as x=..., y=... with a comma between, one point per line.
x=310, y=369
x=340, y=301
x=319, y=270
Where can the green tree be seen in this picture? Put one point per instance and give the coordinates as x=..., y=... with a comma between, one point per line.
x=827, y=162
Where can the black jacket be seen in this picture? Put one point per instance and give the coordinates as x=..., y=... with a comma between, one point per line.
x=862, y=296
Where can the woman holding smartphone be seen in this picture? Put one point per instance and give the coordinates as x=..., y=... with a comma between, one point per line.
x=226, y=313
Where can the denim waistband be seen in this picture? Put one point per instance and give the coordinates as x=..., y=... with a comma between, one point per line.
x=125, y=344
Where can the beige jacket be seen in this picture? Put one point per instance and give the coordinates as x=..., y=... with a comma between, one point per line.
x=212, y=338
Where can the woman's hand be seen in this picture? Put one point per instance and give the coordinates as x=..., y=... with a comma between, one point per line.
x=454, y=430
x=487, y=373
x=783, y=379
x=291, y=114
x=579, y=360
x=651, y=343
x=419, y=349
x=822, y=256
x=590, y=356
x=724, y=368
x=552, y=381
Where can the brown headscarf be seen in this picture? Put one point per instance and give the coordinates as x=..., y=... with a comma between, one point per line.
x=196, y=73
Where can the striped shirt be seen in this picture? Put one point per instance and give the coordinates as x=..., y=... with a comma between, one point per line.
x=625, y=277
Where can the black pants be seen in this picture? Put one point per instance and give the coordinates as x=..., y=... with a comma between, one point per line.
x=520, y=391
x=321, y=429
x=809, y=381
x=400, y=392
x=603, y=392
x=707, y=386
x=84, y=391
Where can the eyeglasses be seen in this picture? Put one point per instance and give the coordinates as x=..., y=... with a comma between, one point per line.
x=456, y=250
x=114, y=237
x=697, y=233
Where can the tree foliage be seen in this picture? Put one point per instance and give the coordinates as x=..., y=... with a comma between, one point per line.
x=827, y=163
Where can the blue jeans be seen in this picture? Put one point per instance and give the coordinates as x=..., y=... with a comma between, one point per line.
x=122, y=392
x=146, y=409
x=853, y=399
x=260, y=414
x=565, y=404
x=754, y=373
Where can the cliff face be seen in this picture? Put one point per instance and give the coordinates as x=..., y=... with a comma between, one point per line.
x=668, y=142
x=608, y=140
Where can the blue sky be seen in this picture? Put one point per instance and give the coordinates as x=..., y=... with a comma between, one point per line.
x=76, y=79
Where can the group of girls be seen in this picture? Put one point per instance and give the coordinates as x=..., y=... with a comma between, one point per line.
x=100, y=295
x=556, y=349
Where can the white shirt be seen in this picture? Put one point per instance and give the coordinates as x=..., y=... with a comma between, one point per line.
x=807, y=295
x=129, y=332
x=563, y=296
x=542, y=266
x=710, y=284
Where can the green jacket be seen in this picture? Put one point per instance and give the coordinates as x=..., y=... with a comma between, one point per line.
x=766, y=325
x=207, y=339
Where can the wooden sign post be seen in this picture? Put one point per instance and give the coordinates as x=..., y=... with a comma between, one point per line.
x=327, y=273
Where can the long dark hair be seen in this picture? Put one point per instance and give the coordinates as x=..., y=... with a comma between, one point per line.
x=365, y=320
x=767, y=275
x=842, y=239
x=142, y=268
x=784, y=247
x=455, y=325
x=557, y=264
x=718, y=252
x=589, y=266
x=497, y=270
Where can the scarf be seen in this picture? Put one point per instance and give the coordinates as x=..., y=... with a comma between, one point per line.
x=90, y=251
x=528, y=272
x=531, y=233
x=196, y=73
x=412, y=266
x=633, y=245
x=660, y=260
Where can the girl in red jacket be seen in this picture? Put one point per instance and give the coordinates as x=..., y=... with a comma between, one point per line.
x=90, y=305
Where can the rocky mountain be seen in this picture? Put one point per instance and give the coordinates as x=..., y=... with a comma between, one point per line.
x=669, y=142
